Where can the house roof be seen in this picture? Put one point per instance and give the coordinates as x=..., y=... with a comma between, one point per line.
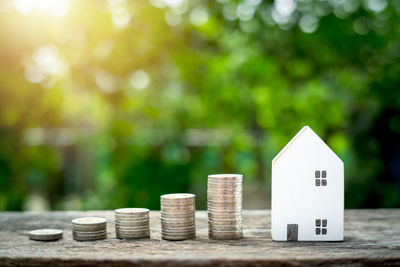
x=302, y=132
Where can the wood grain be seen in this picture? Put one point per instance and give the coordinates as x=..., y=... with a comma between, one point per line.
x=372, y=237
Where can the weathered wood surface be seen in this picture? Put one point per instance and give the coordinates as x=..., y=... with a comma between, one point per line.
x=372, y=237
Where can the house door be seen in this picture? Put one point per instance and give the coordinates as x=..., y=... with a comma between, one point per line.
x=292, y=232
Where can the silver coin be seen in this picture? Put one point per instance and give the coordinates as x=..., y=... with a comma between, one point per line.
x=221, y=197
x=226, y=188
x=225, y=218
x=223, y=208
x=89, y=238
x=134, y=228
x=131, y=223
x=178, y=231
x=177, y=208
x=225, y=176
x=165, y=221
x=132, y=211
x=177, y=214
x=225, y=237
x=178, y=196
x=89, y=221
x=131, y=219
x=89, y=230
x=224, y=193
x=226, y=214
x=89, y=233
x=177, y=224
x=177, y=238
x=179, y=228
x=225, y=222
x=178, y=202
x=224, y=184
x=222, y=201
x=215, y=228
x=178, y=218
x=182, y=235
x=46, y=234
x=226, y=232
x=132, y=236
x=233, y=206
x=133, y=233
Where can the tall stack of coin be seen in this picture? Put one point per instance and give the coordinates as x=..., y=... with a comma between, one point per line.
x=224, y=205
x=178, y=216
x=132, y=223
x=89, y=229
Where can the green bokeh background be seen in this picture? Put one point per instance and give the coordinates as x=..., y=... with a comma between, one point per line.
x=108, y=104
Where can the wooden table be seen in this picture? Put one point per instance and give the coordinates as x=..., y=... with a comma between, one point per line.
x=371, y=237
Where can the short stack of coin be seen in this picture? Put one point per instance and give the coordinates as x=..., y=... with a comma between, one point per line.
x=224, y=206
x=178, y=216
x=132, y=223
x=89, y=229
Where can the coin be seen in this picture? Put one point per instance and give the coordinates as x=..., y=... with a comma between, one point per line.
x=46, y=234
x=89, y=221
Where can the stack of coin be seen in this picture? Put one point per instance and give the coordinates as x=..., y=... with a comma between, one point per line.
x=132, y=223
x=89, y=229
x=178, y=216
x=46, y=234
x=224, y=206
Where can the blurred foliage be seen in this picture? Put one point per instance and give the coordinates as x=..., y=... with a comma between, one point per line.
x=107, y=104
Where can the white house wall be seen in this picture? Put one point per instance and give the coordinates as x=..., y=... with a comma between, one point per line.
x=295, y=197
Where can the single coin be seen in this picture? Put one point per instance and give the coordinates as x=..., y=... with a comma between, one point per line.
x=46, y=234
x=89, y=221
x=169, y=238
x=225, y=175
x=132, y=236
x=133, y=233
x=89, y=232
x=132, y=210
x=89, y=238
x=178, y=196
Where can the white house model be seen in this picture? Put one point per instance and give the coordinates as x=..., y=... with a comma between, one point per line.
x=307, y=191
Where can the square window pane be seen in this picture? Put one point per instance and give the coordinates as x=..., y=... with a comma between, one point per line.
x=324, y=182
x=317, y=174
x=317, y=222
x=317, y=231
x=324, y=223
x=317, y=182
x=324, y=231
x=323, y=174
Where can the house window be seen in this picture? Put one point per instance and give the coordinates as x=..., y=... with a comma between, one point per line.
x=320, y=178
x=321, y=226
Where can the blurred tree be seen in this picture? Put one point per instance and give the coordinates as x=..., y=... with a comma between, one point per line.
x=105, y=104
